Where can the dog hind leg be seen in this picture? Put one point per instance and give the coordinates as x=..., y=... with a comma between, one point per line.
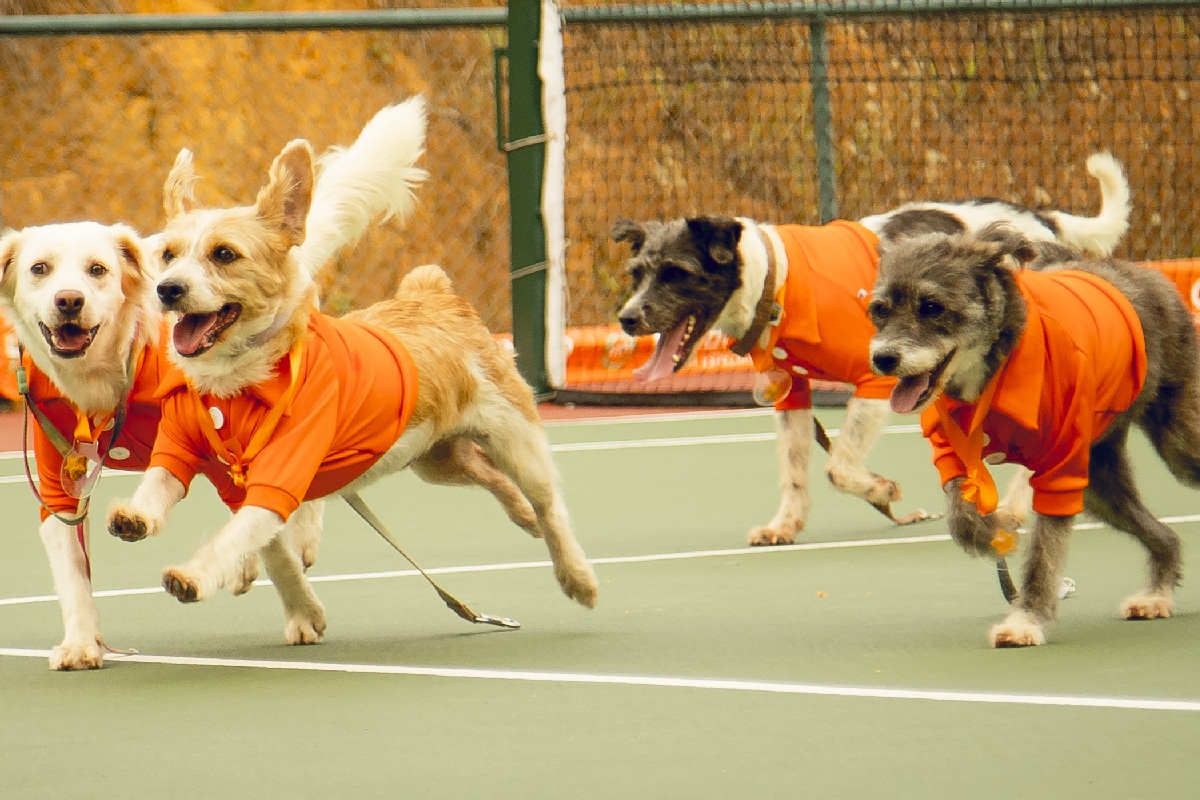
x=1113, y=497
x=793, y=444
x=518, y=448
x=459, y=461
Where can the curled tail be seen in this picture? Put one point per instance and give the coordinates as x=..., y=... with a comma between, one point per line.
x=374, y=177
x=1102, y=233
x=428, y=278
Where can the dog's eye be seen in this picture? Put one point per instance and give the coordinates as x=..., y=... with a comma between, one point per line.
x=636, y=274
x=168, y=256
x=97, y=270
x=224, y=255
x=930, y=308
x=878, y=309
x=40, y=268
x=671, y=274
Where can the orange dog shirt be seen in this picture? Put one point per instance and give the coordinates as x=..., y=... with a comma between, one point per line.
x=825, y=331
x=1080, y=362
x=355, y=390
x=132, y=448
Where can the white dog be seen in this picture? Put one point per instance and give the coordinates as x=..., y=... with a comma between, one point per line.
x=81, y=297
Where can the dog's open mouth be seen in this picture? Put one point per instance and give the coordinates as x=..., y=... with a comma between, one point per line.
x=913, y=391
x=70, y=340
x=672, y=350
x=196, y=334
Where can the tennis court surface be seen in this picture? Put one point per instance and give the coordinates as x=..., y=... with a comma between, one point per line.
x=851, y=665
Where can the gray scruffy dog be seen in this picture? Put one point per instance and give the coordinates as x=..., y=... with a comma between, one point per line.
x=1048, y=369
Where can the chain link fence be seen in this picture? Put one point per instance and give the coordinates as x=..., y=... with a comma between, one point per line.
x=674, y=112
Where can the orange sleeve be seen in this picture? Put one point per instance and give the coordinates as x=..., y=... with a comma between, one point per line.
x=1062, y=468
x=799, y=396
x=175, y=450
x=945, y=460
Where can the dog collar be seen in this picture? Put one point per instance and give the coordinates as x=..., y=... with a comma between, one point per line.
x=766, y=303
x=275, y=327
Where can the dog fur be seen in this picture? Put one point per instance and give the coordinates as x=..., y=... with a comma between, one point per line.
x=690, y=275
x=475, y=420
x=96, y=293
x=949, y=312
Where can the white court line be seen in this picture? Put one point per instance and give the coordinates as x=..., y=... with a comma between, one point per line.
x=711, y=684
x=621, y=444
x=512, y=565
x=643, y=559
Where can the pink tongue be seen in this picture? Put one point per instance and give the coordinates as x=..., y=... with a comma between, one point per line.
x=190, y=331
x=908, y=392
x=662, y=360
x=71, y=337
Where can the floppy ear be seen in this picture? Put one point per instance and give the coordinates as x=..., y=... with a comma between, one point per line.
x=1008, y=241
x=286, y=198
x=178, y=191
x=10, y=244
x=626, y=230
x=718, y=236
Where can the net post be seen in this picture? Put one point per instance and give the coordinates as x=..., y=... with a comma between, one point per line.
x=823, y=121
x=525, y=150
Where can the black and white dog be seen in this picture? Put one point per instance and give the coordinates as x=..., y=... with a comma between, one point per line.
x=795, y=299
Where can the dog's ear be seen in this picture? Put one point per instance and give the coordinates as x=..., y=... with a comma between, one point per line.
x=626, y=230
x=1008, y=242
x=718, y=236
x=10, y=244
x=179, y=189
x=285, y=200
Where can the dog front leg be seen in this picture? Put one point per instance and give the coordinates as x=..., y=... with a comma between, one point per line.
x=847, y=468
x=793, y=443
x=1037, y=604
x=80, y=647
x=145, y=513
x=219, y=560
x=973, y=531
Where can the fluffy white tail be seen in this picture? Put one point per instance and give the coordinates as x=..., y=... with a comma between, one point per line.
x=374, y=177
x=1102, y=233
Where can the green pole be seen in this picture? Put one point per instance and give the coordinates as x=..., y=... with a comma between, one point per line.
x=823, y=122
x=526, y=146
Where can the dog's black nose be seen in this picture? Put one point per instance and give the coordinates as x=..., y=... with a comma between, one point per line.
x=170, y=292
x=69, y=303
x=630, y=320
x=885, y=363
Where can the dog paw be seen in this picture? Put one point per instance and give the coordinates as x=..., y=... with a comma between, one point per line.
x=77, y=655
x=181, y=586
x=917, y=515
x=1019, y=630
x=767, y=535
x=1147, y=605
x=305, y=628
x=129, y=526
x=579, y=583
x=244, y=577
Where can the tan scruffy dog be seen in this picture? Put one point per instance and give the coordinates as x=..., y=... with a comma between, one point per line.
x=280, y=405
